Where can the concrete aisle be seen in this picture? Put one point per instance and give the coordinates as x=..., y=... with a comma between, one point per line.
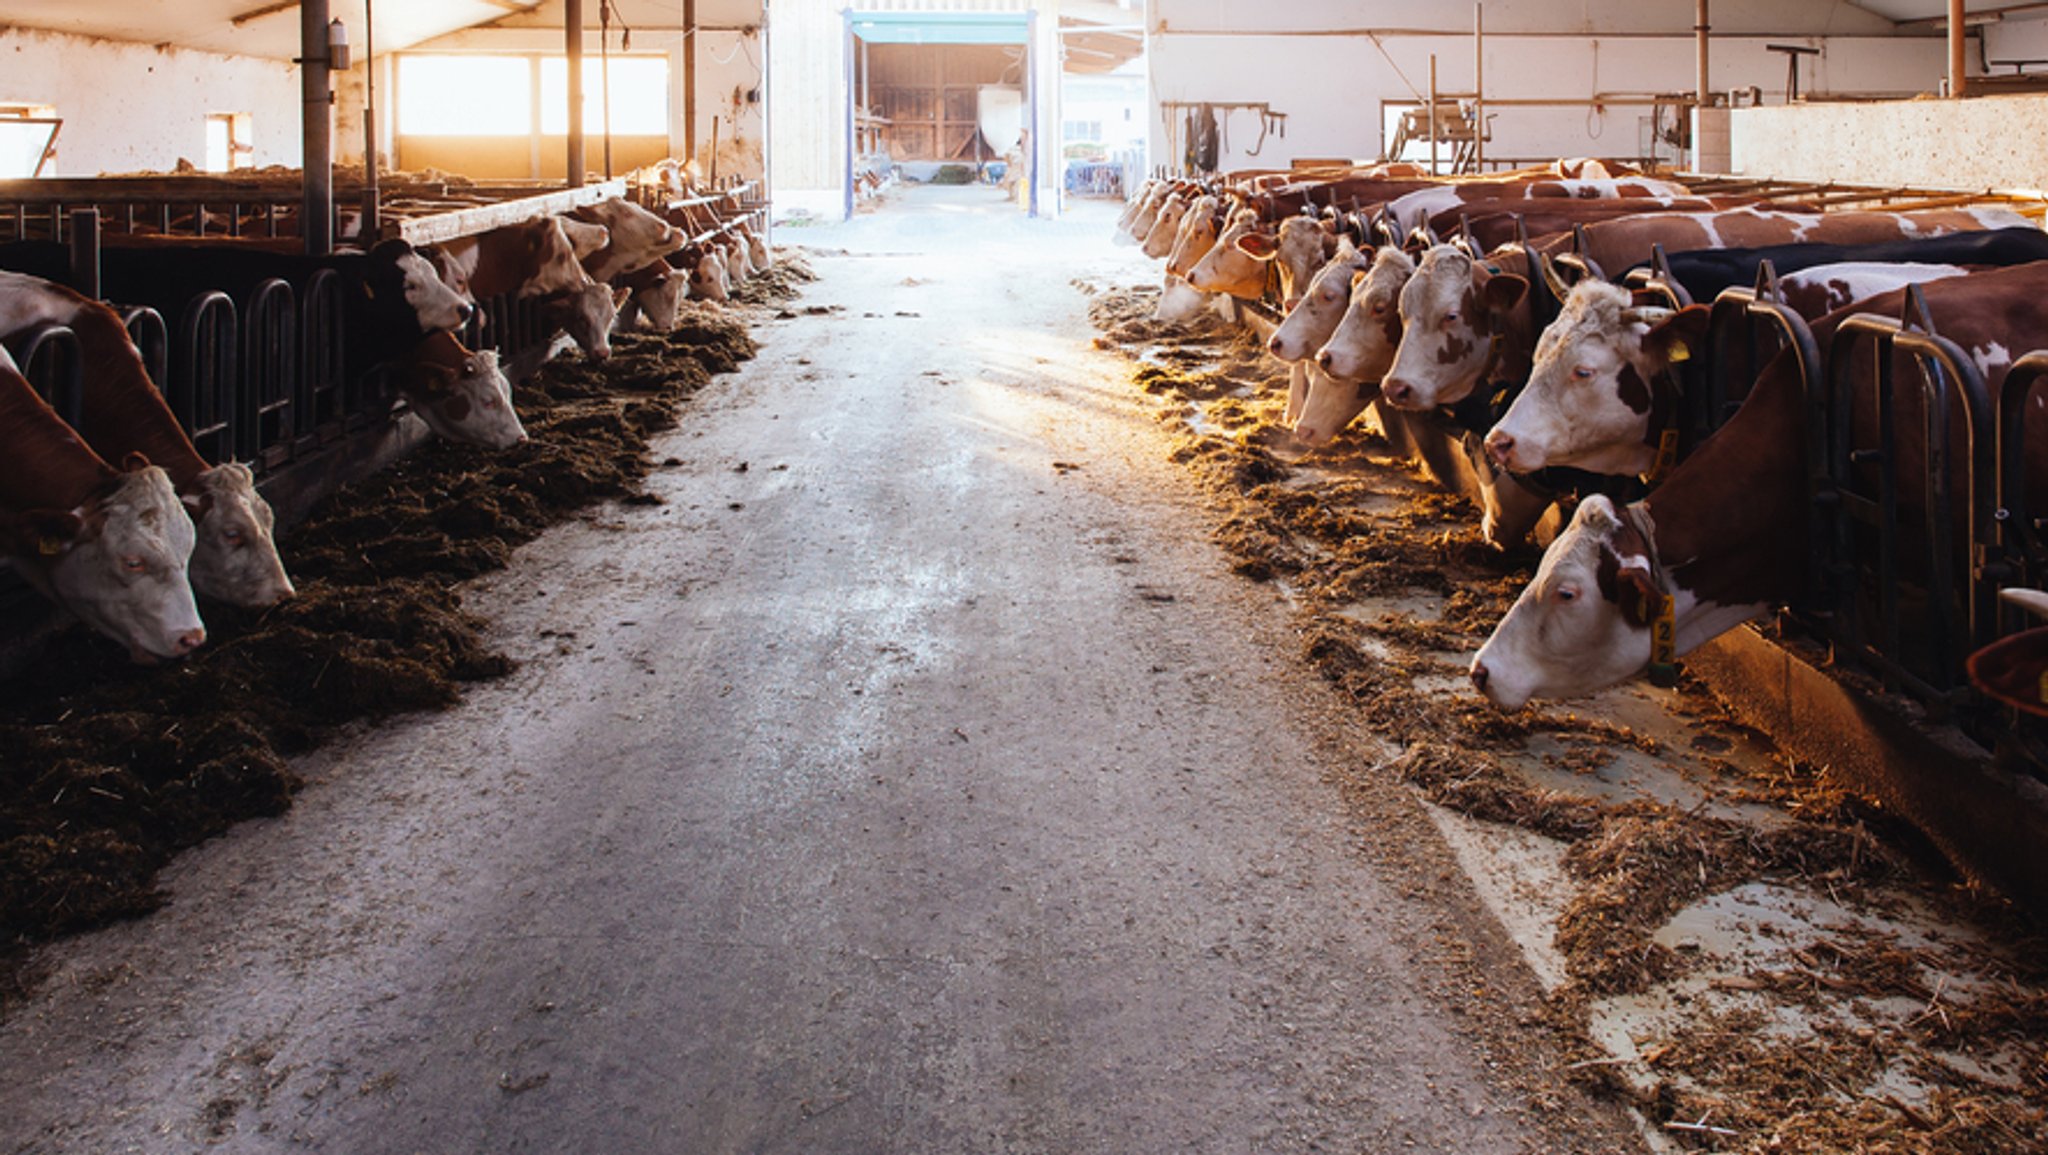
x=916, y=779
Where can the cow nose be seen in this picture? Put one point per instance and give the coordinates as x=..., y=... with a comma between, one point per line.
x=190, y=640
x=1398, y=393
x=1325, y=359
x=1306, y=434
x=1274, y=345
x=1479, y=676
x=465, y=311
x=1500, y=447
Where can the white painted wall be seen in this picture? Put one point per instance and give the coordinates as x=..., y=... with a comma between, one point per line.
x=1986, y=143
x=133, y=107
x=1332, y=86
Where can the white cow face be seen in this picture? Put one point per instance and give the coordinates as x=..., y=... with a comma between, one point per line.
x=1450, y=311
x=707, y=277
x=585, y=237
x=438, y=306
x=1583, y=624
x=656, y=306
x=1362, y=346
x=119, y=565
x=1313, y=318
x=587, y=316
x=637, y=236
x=1588, y=402
x=235, y=557
x=1304, y=246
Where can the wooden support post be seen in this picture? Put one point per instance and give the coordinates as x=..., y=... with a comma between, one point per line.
x=572, y=33
x=1958, y=81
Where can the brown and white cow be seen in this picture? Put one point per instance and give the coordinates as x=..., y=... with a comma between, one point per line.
x=1199, y=228
x=1728, y=533
x=1229, y=268
x=587, y=314
x=1414, y=208
x=1309, y=323
x=635, y=237
x=705, y=267
x=1165, y=228
x=1627, y=241
x=1462, y=323
x=461, y=395
x=1817, y=291
x=585, y=238
x=111, y=547
x=530, y=259
x=234, y=557
x=654, y=296
x=1359, y=351
x=1596, y=397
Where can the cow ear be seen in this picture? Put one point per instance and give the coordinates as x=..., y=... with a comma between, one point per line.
x=48, y=532
x=1596, y=514
x=134, y=463
x=1641, y=601
x=1259, y=245
x=1504, y=291
x=200, y=504
x=1679, y=335
x=619, y=297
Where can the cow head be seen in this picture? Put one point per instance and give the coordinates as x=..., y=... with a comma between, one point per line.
x=1315, y=316
x=1165, y=227
x=118, y=563
x=462, y=396
x=1305, y=245
x=1361, y=347
x=397, y=277
x=637, y=236
x=585, y=237
x=234, y=558
x=1589, y=400
x=587, y=314
x=708, y=281
x=1452, y=311
x=1179, y=302
x=1583, y=623
x=657, y=296
x=1198, y=232
x=1230, y=265
x=2014, y=669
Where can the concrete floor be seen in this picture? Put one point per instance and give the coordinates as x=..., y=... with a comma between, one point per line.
x=916, y=779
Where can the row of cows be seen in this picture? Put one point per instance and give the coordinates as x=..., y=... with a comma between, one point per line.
x=1560, y=348
x=109, y=508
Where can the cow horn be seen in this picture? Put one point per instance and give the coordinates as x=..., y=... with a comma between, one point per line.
x=1651, y=315
x=1553, y=279
x=2033, y=601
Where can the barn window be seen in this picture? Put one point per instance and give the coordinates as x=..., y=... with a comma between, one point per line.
x=639, y=96
x=229, y=144
x=28, y=137
x=465, y=95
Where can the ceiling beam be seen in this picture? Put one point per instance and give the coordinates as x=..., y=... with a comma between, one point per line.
x=260, y=13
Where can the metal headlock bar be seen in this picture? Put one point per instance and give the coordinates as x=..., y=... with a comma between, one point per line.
x=202, y=392
x=50, y=359
x=265, y=419
x=152, y=340
x=325, y=398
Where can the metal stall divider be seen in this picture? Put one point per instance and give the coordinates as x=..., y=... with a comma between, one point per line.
x=325, y=400
x=203, y=375
x=51, y=360
x=1945, y=373
x=152, y=340
x=268, y=381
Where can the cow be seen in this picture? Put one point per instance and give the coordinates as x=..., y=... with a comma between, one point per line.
x=530, y=259
x=1143, y=203
x=234, y=558
x=654, y=297
x=758, y=253
x=1462, y=324
x=1165, y=228
x=584, y=238
x=587, y=315
x=1818, y=290
x=1493, y=224
x=705, y=266
x=461, y=395
x=1728, y=533
x=1199, y=229
x=1310, y=322
x=1359, y=350
x=109, y=546
x=1597, y=397
x=1415, y=208
x=1626, y=241
x=635, y=237
x=1227, y=268
x=1703, y=273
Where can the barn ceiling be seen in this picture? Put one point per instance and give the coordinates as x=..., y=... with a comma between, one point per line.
x=269, y=28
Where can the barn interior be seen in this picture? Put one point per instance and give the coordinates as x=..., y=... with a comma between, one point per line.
x=843, y=596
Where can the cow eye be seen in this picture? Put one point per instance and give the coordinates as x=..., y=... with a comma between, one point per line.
x=134, y=564
x=231, y=535
x=1379, y=309
x=1583, y=372
x=1450, y=316
x=1567, y=593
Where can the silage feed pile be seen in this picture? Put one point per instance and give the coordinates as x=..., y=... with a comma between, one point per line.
x=1890, y=1008
x=109, y=768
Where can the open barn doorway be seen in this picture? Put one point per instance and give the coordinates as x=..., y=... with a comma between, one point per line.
x=943, y=98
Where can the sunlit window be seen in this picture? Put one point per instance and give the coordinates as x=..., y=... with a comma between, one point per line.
x=465, y=95
x=24, y=133
x=639, y=95
x=228, y=144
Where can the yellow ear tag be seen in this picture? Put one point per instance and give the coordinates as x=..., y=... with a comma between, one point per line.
x=1680, y=352
x=50, y=546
